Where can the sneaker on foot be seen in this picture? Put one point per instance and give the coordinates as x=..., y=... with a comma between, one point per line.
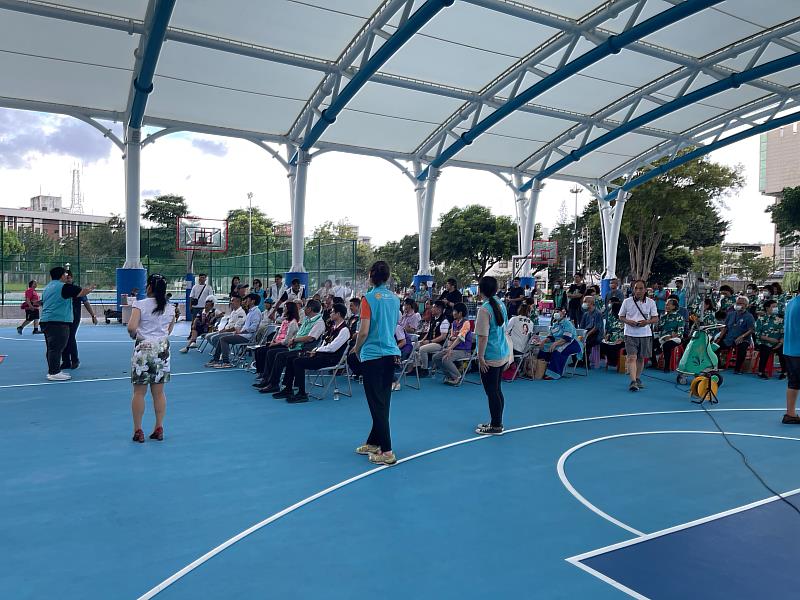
x=368, y=449
x=639, y=384
x=452, y=382
x=138, y=436
x=60, y=376
x=297, y=398
x=158, y=434
x=762, y=376
x=223, y=365
x=269, y=389
x=383, y=458
x=76, y=365
x=38, y=331
x=284, y=393
x=19, y=330
x=791, y=420
x=184, y=350
x=489, y=430
x=212, y=363
x=633, y=387
x=396, y=386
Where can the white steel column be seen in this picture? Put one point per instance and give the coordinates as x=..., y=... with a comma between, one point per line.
x=299, y=212
x=612, y=229
x=426, y=223
x=133, y=150
x=529, y=232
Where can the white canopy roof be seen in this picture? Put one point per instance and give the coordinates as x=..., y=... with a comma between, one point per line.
x=259, y=68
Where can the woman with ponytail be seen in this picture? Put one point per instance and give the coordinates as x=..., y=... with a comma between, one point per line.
x=150, y=325
x=493, y=352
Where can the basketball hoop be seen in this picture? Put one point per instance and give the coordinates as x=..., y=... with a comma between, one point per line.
x=544, y=252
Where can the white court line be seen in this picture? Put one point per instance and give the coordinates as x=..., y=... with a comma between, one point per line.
x=40, y=340
x=580, y=498
x=577, y=560
x=19, y=385
x=252, y=529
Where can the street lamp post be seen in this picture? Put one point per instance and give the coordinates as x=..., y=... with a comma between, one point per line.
x=576, y=190
x=250, y=238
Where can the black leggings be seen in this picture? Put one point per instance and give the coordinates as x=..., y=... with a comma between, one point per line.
x=491, y=385
x=70, y=354
x=765, y=355
x=378, y=374
x=56, y=336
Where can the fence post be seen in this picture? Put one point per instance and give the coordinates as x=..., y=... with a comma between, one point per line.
x=78, y=256
x=355, y=260
x=319, y=261
x=2, y=264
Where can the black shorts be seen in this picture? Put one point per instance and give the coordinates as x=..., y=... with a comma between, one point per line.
x=32, y=315
x=793, y=372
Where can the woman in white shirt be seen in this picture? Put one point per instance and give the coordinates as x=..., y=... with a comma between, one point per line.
x=150, y=325
x=520, y=328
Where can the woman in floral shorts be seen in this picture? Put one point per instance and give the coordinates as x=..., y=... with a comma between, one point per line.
x=150, y=325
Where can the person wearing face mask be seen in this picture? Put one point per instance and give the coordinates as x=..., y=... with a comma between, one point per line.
x=739, y=326
x=726, y=298
x=557, y=347
x=614, y=337
x=765, y=294
x=592, y=322
x=670, y=330
x=751, y=292
x=769, y=338
x=559, y=296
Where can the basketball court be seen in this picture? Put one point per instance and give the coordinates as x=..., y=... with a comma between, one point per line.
x=593, y=492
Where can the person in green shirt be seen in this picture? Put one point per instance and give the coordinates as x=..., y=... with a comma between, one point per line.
x=670, y=331
x=769, y=338
x=614, y=338
x=726, y=298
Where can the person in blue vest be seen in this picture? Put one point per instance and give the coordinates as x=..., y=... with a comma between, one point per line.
x=57, y=317
x=494, y=353
x=376, y=348
x=791, y=351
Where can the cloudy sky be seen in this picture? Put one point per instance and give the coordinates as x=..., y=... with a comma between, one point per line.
x=214, y=174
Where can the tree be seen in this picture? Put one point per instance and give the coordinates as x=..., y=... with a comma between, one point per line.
x=239, y=230
x=785, y=214
x=753, y=267
x=708, y=260
x=678, y=208
x=37, y=244
x=474, y=235
x=165, y=210
x=102, y=240
x=11, y=243
x=402, y=256
x=343, y=230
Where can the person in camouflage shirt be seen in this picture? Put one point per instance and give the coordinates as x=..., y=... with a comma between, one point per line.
x=614, y=338
x=726, y=298
x=670, y=329
x=769, y=338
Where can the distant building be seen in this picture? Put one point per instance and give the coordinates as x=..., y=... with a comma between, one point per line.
x=779, y=159
x=732, y=253
x=282, y=229
x=46, y=215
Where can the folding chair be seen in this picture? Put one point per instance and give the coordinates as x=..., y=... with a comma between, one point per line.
x=519, y=359
x=412, y=362
x=331, y=372
x=581, y=336
x=467, y=362
x=204, y=337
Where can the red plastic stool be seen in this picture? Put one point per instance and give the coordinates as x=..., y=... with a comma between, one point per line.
x=675, y=357
x=769, y=369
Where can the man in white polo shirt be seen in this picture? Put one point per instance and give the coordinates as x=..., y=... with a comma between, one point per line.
x=638, y=313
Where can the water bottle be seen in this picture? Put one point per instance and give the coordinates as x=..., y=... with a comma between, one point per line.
x=336, y=395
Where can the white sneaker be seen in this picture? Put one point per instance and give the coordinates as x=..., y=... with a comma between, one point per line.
x=59, y=377
x=184, y=350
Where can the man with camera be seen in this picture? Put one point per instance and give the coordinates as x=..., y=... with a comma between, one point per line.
x=197, y=296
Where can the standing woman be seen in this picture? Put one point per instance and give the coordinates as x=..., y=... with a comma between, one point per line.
x=376, y=348
x=493, y=352
x=150, y=325
x=31, y=308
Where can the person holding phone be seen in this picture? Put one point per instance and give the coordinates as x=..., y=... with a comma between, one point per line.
x=638, y=313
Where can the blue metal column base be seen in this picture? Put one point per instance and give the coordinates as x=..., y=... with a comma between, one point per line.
x=418, y=279
x=531, y=281
x=605, y=286
x=127, y=279
x=302, y=276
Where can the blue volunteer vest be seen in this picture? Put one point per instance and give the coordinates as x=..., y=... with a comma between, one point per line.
x=384, y=309
x=54, y=307
x=496, y=346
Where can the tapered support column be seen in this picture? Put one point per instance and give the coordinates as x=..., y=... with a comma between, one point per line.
x=612, y=223
x=531, y=205
x=298, y=270
x=132, y=275
x=425, y=216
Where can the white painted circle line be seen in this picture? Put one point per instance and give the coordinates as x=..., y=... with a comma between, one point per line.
x=126, y=377
x=252, y=529
x=582, y=499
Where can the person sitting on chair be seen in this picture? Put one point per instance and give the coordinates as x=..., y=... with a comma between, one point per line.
x=202, y=324
x=557, y=347
x=520, y=328
x=614, y=338
x=670, y=332
x=287, y=330
x=458, y=346
x=328, y=354
x=435, y=337
x=769, y=338
x=240, y=335
x=592, y=322
x=739, y=326
x=236, y=320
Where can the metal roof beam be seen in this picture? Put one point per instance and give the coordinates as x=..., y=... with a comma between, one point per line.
x=613, y=45
x=732, y=82
x=684, y=158
x=423, y=15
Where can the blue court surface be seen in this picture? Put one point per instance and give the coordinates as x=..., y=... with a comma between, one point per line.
x=593, y=492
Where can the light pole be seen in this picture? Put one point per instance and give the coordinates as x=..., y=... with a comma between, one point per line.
x=250, y=238
x=576, y=190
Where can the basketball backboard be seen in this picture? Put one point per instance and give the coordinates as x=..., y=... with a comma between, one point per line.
x=210, y=235
x=544, y=252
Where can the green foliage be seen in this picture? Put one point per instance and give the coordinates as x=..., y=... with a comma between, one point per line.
x=474, y=235
x=677, y=209
x=753, y=267
x=165, y=210
x=791, y=281
x=343, y=230
x=107, y=239
x=402, y=256
x=708, y=259
x=11, y=243
x=669, y=264
x=239, y=228
x=37, y=244
x=786, y=216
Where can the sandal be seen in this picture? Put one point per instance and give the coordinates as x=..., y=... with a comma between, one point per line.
x=138, y=436
x=368, y=449
x=158, y=434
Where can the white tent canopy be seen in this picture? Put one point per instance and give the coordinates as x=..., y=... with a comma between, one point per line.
x=411, y=80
